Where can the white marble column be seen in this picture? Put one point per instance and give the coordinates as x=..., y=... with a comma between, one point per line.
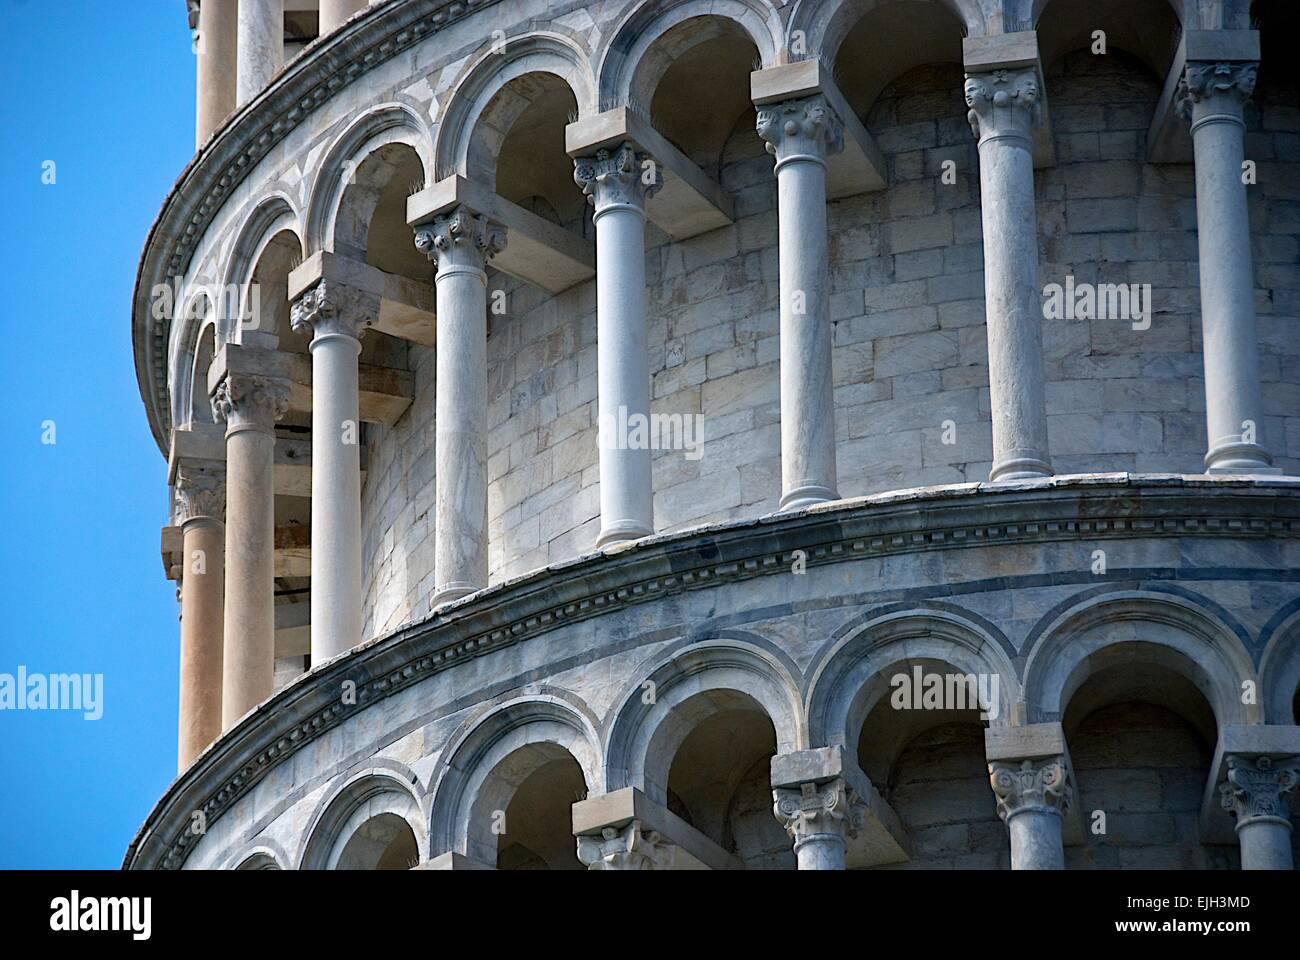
x=460, y=244
x=334, y=13
x=801, y=134
x=200, y=507
x=1033, y=796
x=216, y=43
x=618, y=183
x=261, y=45
x=249, y=406
x=818, y=817
x=1212, y=96
x=626, y=848
x=1255, y=795
x=337, y=317
x=1004, y=108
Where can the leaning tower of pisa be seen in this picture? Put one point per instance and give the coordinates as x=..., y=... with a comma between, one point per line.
x=731, y=434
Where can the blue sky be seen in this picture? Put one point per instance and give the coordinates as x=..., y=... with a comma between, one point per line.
x=106, y=91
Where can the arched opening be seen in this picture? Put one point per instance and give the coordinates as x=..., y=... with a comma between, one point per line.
x=264, y=302
x=259, y=861
x=370, y=222
x=537, y=829
x=205, y=351
x=922, y=745
x=719, y=780
x=384, y=842
x=1145, y=29
x=1141, y=738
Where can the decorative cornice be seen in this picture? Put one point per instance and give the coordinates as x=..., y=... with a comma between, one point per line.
x=628, y=848
x=807, y=129
x=1003, y=103
x=1063, y=508
x=334, y=309
x=461, y=240
x=1257, y=786
x=814, y=810
x=1043, y=785
x=617, y=178
x=1215, y=88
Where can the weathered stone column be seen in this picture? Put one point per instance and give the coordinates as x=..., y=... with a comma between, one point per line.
x=818, y=817
x=460, y=244
x=629, y=848
x=1212, y=96
x=1255, y=795
x=261, y=45
x=200, y=507
x=1033, y=796
x=249, y=406
x=215, y=56
x=1004, y=107
x=801, y=134
x=337, y=318
x=334, y=13
x=618, y=183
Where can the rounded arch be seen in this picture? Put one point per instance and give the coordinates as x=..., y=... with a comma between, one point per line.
x=850, y=675
x=366, y=134
x=273, y=218
x=265, y=855
x=823, y=24
x=493, y=755
x=358, y=821
x=1147, y=30
x=1166, y=630
x=629, y=65
x=1279, y=667
x=195, y=324
x=690, y=684
x=477, y=117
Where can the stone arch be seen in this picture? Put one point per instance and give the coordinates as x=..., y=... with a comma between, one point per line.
x=1147, y=30
x=481, y=109
x=195, y=322
x=362, y=822
x=381, y=126
x=629, y=67
x=644, y=737
x=493, y=756
x=848, y=678
x=272, y=221
x=265, y=854
x=1279, y=667
x=1171, y=631
x=825, y=23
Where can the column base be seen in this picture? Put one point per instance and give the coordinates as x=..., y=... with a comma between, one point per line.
x=450, y=592
x=621, y=530
x=808, y=495
x=1240, y=459
x=1021, y=468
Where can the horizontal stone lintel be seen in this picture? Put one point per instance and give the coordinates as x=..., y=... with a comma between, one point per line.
x=860, y=167
x=406, y=307
x=537, y=250
x=690, y=202
x=617, y=809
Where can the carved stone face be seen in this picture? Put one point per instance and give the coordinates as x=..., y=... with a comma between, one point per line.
x=972, y=90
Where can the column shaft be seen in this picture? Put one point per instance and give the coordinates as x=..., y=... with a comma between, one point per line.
x=216, y=66
x=615, y=184
x=1004, y=108
x=202, y=613
x=800, y=134
x=1214, y=95
x=261, y=45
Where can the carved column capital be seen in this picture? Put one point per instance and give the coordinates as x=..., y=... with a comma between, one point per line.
x=246, y=402
x=200, y=494
x=618, y=178
x=460, y=240
x=1003, y=103
x=813, y=810
x=1257, y=786
x=804, y=129
x=626, y=848
x=1215, y=90
x=334, y=309
x=1043, y=785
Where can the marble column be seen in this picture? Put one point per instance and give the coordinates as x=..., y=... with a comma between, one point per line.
x=200, y=507
x=818, y=817
x=336, y=317
x=618, y=183
x=626, y=848
x=1033, y=796
x=334, y=13
x=261, y=45
x=215, y=54
x=460, y=243
x=1255, y=795
x=801, y=134
x=249, y=406
x=1004, y=108
x=1213, y=96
